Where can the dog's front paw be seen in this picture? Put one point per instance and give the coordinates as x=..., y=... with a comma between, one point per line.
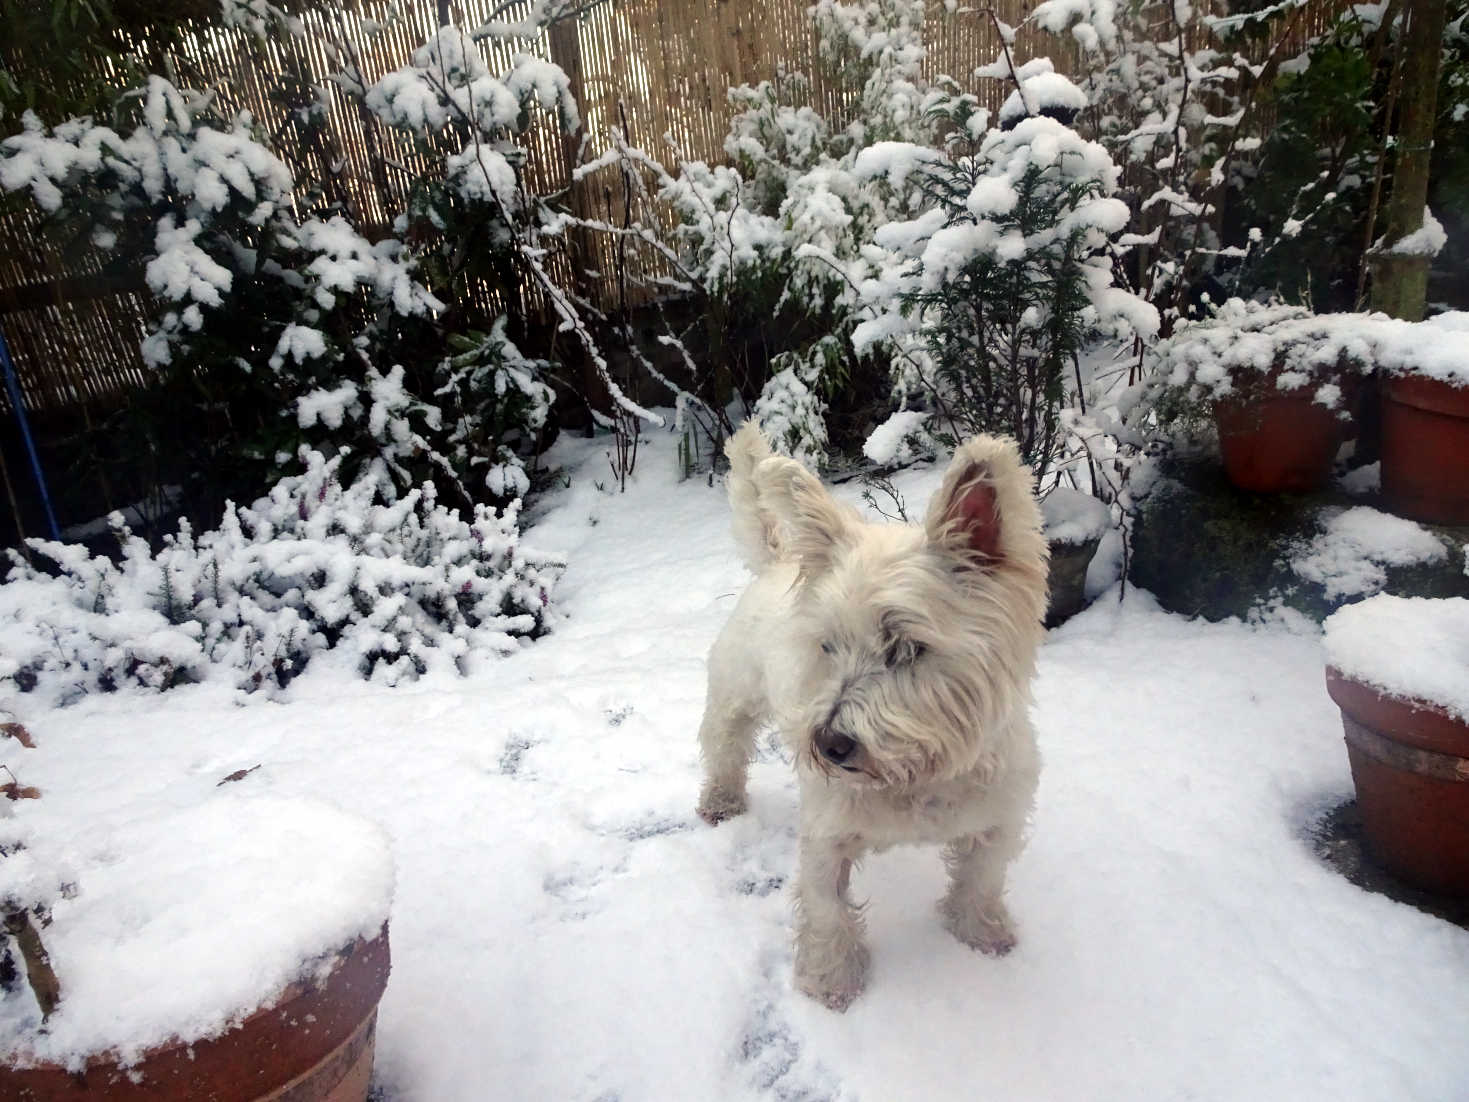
x=834, y=983
x=987, y=929
x=718, y=804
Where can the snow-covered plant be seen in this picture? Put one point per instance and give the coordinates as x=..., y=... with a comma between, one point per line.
x=494, y=403
x=876, y=47
x=772, y=243
x=271, y=328
x=791, y=407
x=774, y=134
x=991, y=293
x=1248, y=348
x=1305, y=204
x=1166, y=94
x=198, y=210
x=447, y=94
x=494, y=228
x=282, y=319
x=1228, y=203
x=399, y=585
x=478, y=225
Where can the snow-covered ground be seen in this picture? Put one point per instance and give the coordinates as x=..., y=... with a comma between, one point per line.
x=565, y=928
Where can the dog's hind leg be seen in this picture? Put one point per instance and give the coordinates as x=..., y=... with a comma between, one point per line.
x=831, y=957
x=726, y=742
x=974, y=908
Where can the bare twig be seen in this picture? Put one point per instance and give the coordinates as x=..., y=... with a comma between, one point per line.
x=237, y=775
x=1009, y=61
x=39, y=973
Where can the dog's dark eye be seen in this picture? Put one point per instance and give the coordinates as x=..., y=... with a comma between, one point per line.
x=827, y=648
x=903, y=652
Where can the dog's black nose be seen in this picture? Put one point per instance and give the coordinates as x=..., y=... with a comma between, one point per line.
x=835, y=747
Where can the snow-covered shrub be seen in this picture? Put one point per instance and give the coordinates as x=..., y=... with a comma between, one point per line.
x=1304, y=212
x=1251, y=171
x=400, y=585
x=495, y=405
x=771, y=245
x=904, y=437
x=281, y=319
x=1166, y=94
x=791, y=408
x=475, y=225
x=816, y=208
x=991, y=293
x=491, y=228
x=1245, y=348
x=249, y=298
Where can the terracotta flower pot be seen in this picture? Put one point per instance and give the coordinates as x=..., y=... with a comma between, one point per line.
x=1425, y=449
x=315, y=1044
x=1410, y=765
x=1277, y=442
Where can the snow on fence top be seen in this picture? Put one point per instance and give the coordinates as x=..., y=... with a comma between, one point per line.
x=183, y=922
x=1411, y=647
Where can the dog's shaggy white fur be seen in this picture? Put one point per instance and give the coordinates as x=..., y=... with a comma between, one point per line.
x=896, y=661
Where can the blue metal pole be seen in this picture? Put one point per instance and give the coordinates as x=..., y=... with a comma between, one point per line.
x=12, y=386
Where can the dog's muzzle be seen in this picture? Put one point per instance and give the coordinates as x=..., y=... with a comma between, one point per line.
x=836, y=747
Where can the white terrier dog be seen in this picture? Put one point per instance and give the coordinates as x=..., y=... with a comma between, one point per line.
x=896, y=661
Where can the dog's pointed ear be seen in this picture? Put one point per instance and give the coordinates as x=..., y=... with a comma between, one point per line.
x=810, y=525
x=964, y=517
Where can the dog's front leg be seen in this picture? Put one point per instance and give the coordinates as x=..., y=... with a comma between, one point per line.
x=831, y=958
x=974, y=909
x=726, y=740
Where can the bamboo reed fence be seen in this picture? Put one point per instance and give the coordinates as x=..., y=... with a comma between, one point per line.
x=659, y=69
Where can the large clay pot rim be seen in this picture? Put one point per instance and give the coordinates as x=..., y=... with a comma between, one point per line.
x=1427, y=393
x=1262, y=394
x=1256, y=385
x=362, y=952
x=1301, y=395
x=1419, y=723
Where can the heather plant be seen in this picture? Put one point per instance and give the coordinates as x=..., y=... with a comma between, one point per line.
x=398, y=586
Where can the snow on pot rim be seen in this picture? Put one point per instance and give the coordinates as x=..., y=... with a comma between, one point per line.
x=1073, y=517
x=1416, y=648
x=1246, y=344
x=1437, y=348
x=184, y=922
